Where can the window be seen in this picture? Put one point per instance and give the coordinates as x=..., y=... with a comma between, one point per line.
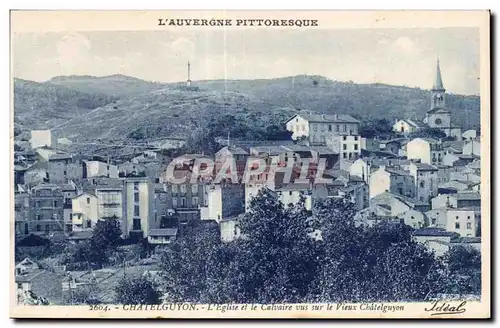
x=469, y=225
x=303, y=127
x=456, y=217
x=344, y=138
x=421, y=198
x=422, y=184
x=136, y=197
x=65, y=173
x=337, y=128
x=174, y=202
x=457, y=225
x=174, y=189
x=136, y=210
x=434, y=220
x=183, y=202
x=70, y=216
x=107, y=167
x=195, y=201
x=194, y=189
x=136, y=185
x=344, y=147
x=468, y=217
x=438, y=121
x=344, y=155
x=38, y=217
x=55, y=203
x=329, y=128
x=88, y=200
x=345, y=128
x=290, y=193
x=37, y=203
x=323, y=126
x=356, y=138
x=356, y=147
x=183, y=189
x=136, y=224
x=38, y=227
x=413, y=218
x=89, y=224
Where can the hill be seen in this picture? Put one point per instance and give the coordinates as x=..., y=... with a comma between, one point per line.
x=171, y=111
x=127, y=107
x=45, y=105
x=364, y=101
x=114, y=85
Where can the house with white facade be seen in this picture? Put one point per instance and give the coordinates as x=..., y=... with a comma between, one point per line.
x=427, y=150
x=318, y=128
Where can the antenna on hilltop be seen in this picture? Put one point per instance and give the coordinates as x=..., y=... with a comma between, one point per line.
x=188, y=82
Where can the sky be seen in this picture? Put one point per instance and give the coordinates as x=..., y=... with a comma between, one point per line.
x=392, y=56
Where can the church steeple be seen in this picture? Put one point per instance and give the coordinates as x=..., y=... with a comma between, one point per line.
x=438, y=90
x=438, y=84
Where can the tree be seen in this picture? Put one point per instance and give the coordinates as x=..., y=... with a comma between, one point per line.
x=277, y=259
x=379, y=263
x=375, y=128
x=463, y=266
x=185, y=266
x=137, y=289
x=106, y=234
x=429, y=133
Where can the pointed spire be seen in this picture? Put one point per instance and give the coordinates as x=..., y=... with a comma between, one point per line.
x=438, y=84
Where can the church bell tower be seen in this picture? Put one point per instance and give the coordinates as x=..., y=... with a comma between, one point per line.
x=438, y=90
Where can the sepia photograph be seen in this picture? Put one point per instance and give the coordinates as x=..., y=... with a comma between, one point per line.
x=232, y=164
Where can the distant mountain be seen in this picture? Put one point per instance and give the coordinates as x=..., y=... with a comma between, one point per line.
x=114, y=85
x=45, y=105
x=113, y=107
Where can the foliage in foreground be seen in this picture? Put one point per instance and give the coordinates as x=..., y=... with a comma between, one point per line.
x=278, y=261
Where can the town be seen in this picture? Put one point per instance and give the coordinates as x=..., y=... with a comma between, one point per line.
x=424, y=174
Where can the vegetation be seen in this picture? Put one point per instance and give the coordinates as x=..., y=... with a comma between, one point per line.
x=137, y=289
x=278, y=261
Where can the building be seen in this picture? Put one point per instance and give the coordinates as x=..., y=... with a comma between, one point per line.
x=21, y=212
x=362, y=167
x=459, y=200
x=435, y=239
x=225, y=201
x=347, y=146
x=318, y=128
x=138, y=207
x=229, y=229
x=407, y=126
x=426, y=180
x=97, y=169
x=392, y=146
x=463, y=221
x=391, y=179
x=163, y=236
x=291, y=194
x=46, y=213
x=85, y=212
x=42, y=138
x=438, y=116
x=427, y=150
x=469, y=134
x=472, y=147
x=109, y=193
x=414, y=218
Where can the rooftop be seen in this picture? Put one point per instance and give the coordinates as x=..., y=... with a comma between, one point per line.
x=432, y=232
x=425, y=167
x=172, y=232
x=325, y=118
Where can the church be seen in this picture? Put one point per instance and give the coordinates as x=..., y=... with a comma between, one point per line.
x=439, y=116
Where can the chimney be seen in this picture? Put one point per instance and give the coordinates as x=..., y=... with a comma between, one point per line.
x=323, y=116
x=335, y=117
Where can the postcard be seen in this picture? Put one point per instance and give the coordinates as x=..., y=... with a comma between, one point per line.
x=250, y=164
